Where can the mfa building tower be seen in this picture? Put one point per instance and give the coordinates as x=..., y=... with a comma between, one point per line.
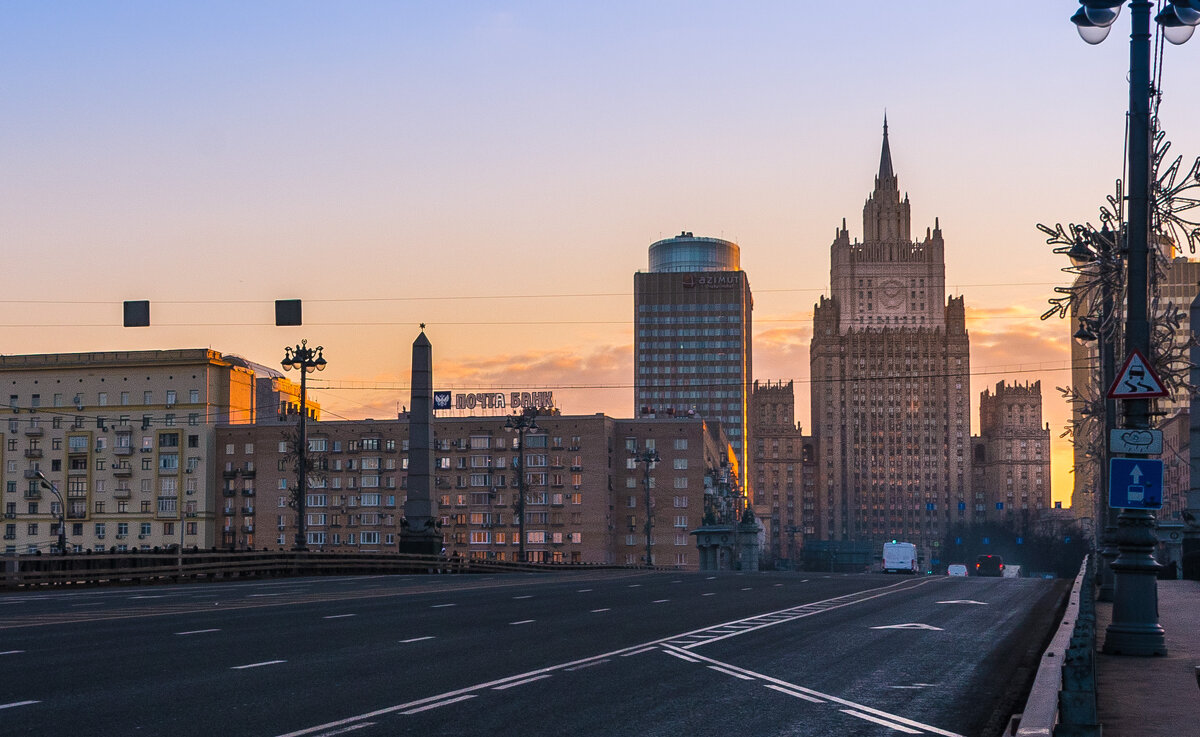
x=890, y=391
x=692, y=336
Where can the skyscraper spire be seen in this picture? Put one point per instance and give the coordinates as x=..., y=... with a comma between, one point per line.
x=885, y=158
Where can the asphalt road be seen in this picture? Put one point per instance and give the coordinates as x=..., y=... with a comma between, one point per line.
x=601, y=653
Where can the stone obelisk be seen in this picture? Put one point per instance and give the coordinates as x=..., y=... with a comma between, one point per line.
x=419, y=534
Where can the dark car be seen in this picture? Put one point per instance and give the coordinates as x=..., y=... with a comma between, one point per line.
x=989, y=565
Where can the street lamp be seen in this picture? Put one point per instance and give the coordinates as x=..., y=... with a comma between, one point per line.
x=1135, y=629
x=305, y=360
x=62, y=524
x=522, y=424
x=647, y=458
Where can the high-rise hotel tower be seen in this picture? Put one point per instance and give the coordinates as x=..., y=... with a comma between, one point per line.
x=692, y=336
x=890, y=381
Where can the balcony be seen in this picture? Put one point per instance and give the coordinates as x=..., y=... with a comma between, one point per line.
x=229, y=492
x=122, y=450
x=31, y=473
x=33, y=494
x=122, y=471
x=247, y=510
x=34, y=431
x=122, y=493
x=33, y=452
x=247, y=492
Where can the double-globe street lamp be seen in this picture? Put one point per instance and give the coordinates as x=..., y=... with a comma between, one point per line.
x=647, y=458
x=1135, y=629
x=522, y=424
x=305, y=360
x=62, y=523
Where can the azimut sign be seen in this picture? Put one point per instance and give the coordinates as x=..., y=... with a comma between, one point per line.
x=714, y=281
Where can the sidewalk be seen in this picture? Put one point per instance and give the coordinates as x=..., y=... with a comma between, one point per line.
x=1154, y=696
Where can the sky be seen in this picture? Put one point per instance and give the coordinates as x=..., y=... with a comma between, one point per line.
x=498, y=170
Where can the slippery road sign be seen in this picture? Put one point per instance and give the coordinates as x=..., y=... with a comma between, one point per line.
x=1136, y=380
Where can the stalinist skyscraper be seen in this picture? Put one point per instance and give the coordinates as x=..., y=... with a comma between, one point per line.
x=890, y=381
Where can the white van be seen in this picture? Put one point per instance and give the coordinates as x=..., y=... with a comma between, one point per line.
x=956, y=569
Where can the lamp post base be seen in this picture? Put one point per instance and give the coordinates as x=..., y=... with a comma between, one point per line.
x=1135, y=629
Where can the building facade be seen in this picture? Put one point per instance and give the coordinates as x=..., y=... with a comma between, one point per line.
x=126, y=441
x=890, y=370
x=785, y=467
x=585, y=495
x=692, y=344
x=1011, y=458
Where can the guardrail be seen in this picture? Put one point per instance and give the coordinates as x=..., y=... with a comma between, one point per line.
x=1062, y=702
x=94, y=569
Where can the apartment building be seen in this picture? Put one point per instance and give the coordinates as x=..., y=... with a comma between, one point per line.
x=117, y=444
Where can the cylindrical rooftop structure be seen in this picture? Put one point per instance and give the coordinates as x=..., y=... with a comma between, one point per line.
x=686, y=252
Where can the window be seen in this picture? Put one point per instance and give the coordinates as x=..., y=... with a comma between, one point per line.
x=368, y=537
x=681, y=444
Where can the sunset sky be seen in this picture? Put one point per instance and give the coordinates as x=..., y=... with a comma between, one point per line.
x=497, y=170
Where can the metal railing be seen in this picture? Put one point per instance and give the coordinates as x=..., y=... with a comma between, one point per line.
x=94, y=569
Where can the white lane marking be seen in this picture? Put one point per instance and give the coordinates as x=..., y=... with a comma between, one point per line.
x=735, y=674
x=909, y=626
x=771, y=619
x=253, y=596
x=18, y=703
x=346, y=729
x=418, y=639
x=890, y=725
x=708, y=594
x=711, y=578
x=638, y=652
x=440, y=606
x=963, y=601
x=801, y=689
x=339, y=616
x=524, y=621
x=789, y=692
x=677, y=582
x=526, y=596
x=440, y=703
x=660, y=601
x=746, y=589
x=661, y=642
x=12, y=652
x=197, y=632
x=156, y=596
x=514, y=684
x=94, y=603
x=257, y=665
x=681, y=656
x=634, y=585
x=587, y=665
x=605, y=609
x=779, y=584
x=582, y=591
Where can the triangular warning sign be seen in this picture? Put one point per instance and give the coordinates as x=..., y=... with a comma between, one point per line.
x=1136, y=380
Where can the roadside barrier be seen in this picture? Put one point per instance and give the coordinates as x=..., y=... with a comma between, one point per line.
x=1062, y=702
x=94, y=569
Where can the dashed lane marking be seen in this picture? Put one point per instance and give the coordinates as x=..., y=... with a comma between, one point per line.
x=728, y=672
x=18, y=703
x=197, y=632
x=417, y=639
x=524, y=621
x=257, y=665
x=338, y=616
x=441, y=606
x=605, y=609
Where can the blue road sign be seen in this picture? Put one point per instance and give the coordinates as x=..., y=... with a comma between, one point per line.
x=1135, y=483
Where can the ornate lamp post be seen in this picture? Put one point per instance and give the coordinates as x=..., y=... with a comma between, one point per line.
x=647, y=458
x=1134, y=629
x=305, y=360
x=521, y=424
x=62, y=524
